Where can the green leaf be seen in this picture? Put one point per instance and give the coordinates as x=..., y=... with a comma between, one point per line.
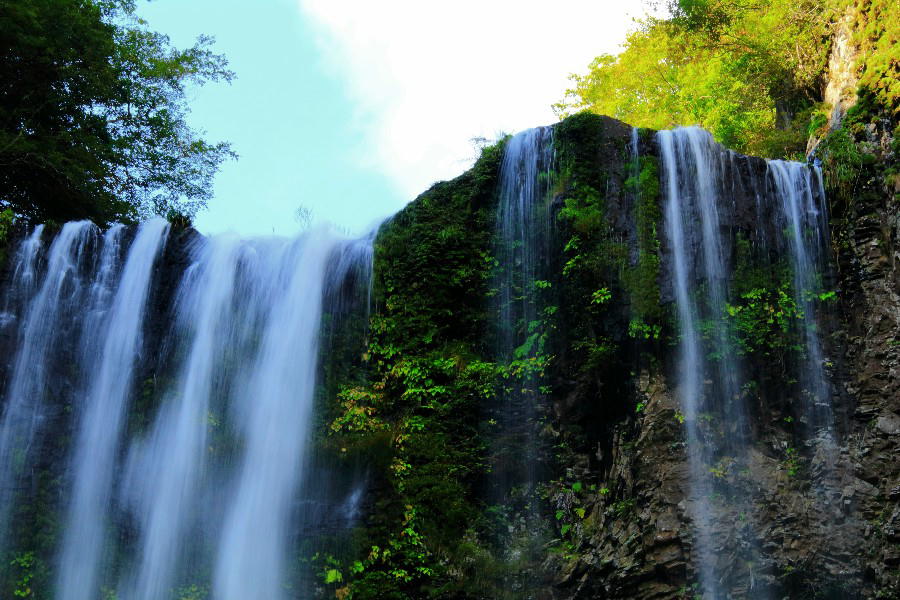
x=333, y=576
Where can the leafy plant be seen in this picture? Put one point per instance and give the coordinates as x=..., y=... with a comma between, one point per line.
x=24, y=564
x=94, y=119
x=740, y=69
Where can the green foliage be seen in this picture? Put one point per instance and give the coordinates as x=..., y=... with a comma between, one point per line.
x=23, y=563
x=7, y=218
x=623, y=508
x=601, y=296
x=591, y=252
x=859, y=159
x=765, y=321
x=402, y=564
x=639, y=330
x=358, y=412
x=92, y=121
x=792, y=462
x=572, y=517
x=741, y=69
x=642, y=279
x=877, y=30
x=723, y=468
x=842, y=162
x=421, y=404
x=590, y=255
x=192, y=592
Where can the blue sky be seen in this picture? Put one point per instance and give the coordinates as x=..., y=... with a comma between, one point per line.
x=352, y=108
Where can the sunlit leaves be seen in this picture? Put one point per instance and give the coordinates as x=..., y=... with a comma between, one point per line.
x=730, y=67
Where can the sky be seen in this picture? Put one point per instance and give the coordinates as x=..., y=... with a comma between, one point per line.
x=350, y=109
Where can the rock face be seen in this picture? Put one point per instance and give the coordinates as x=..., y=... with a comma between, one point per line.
x=867, y=262
x=840, y=90
x=801, y=517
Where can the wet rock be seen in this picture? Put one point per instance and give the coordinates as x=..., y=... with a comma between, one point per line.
x=888, y=423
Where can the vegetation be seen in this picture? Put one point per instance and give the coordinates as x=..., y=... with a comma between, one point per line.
x=409, y=389
x=748, y=71
x=421, y=409
x=877, y=31
x=93, y=114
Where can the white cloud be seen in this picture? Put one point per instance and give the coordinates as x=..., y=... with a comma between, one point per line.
x=429, y=75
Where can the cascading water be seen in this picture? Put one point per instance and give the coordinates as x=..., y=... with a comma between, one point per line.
x=23, y=276
x=46, y=321
x=802, y=205
x=105, y=405
x=205, y=495
x=165, y=469
x=333, y=494
x=274, y=409
x=678, y=220
x=693, y=165
x=697, y=214
x=522, y=247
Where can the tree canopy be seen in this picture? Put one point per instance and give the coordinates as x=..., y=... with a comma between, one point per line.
x=93, y=114
x=750, y=71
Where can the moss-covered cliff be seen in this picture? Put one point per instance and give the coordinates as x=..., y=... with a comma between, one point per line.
x=413, y=411
x=613, y=503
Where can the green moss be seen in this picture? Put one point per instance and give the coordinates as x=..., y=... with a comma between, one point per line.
x=753, y=271
x=842, y=163
x=642, y=279
x=593, y=251
x=419, y=407
x=875, y=34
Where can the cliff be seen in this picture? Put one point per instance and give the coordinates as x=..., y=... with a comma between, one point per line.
x=445, y=463
x=791, y=518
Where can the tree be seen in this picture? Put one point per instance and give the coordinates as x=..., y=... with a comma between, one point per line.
x=749, y=71
x=92, y=114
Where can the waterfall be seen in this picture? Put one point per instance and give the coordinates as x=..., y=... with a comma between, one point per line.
x=522, y=246
x=105, y=405
x=165, y=469
x=274, y=408
x=802, y=204
x=45, y=323
x=191, y=479
x=23, y=276
x=694, y=175
x=180, y=376
x=680, y=230
x=698, y=212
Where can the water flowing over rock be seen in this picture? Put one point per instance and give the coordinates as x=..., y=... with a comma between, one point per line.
x=691, y=200
x=522, y=248
x=195, y=468
x=47, y=320
x=803, y=204
x=106, y=401
x=607, y=362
